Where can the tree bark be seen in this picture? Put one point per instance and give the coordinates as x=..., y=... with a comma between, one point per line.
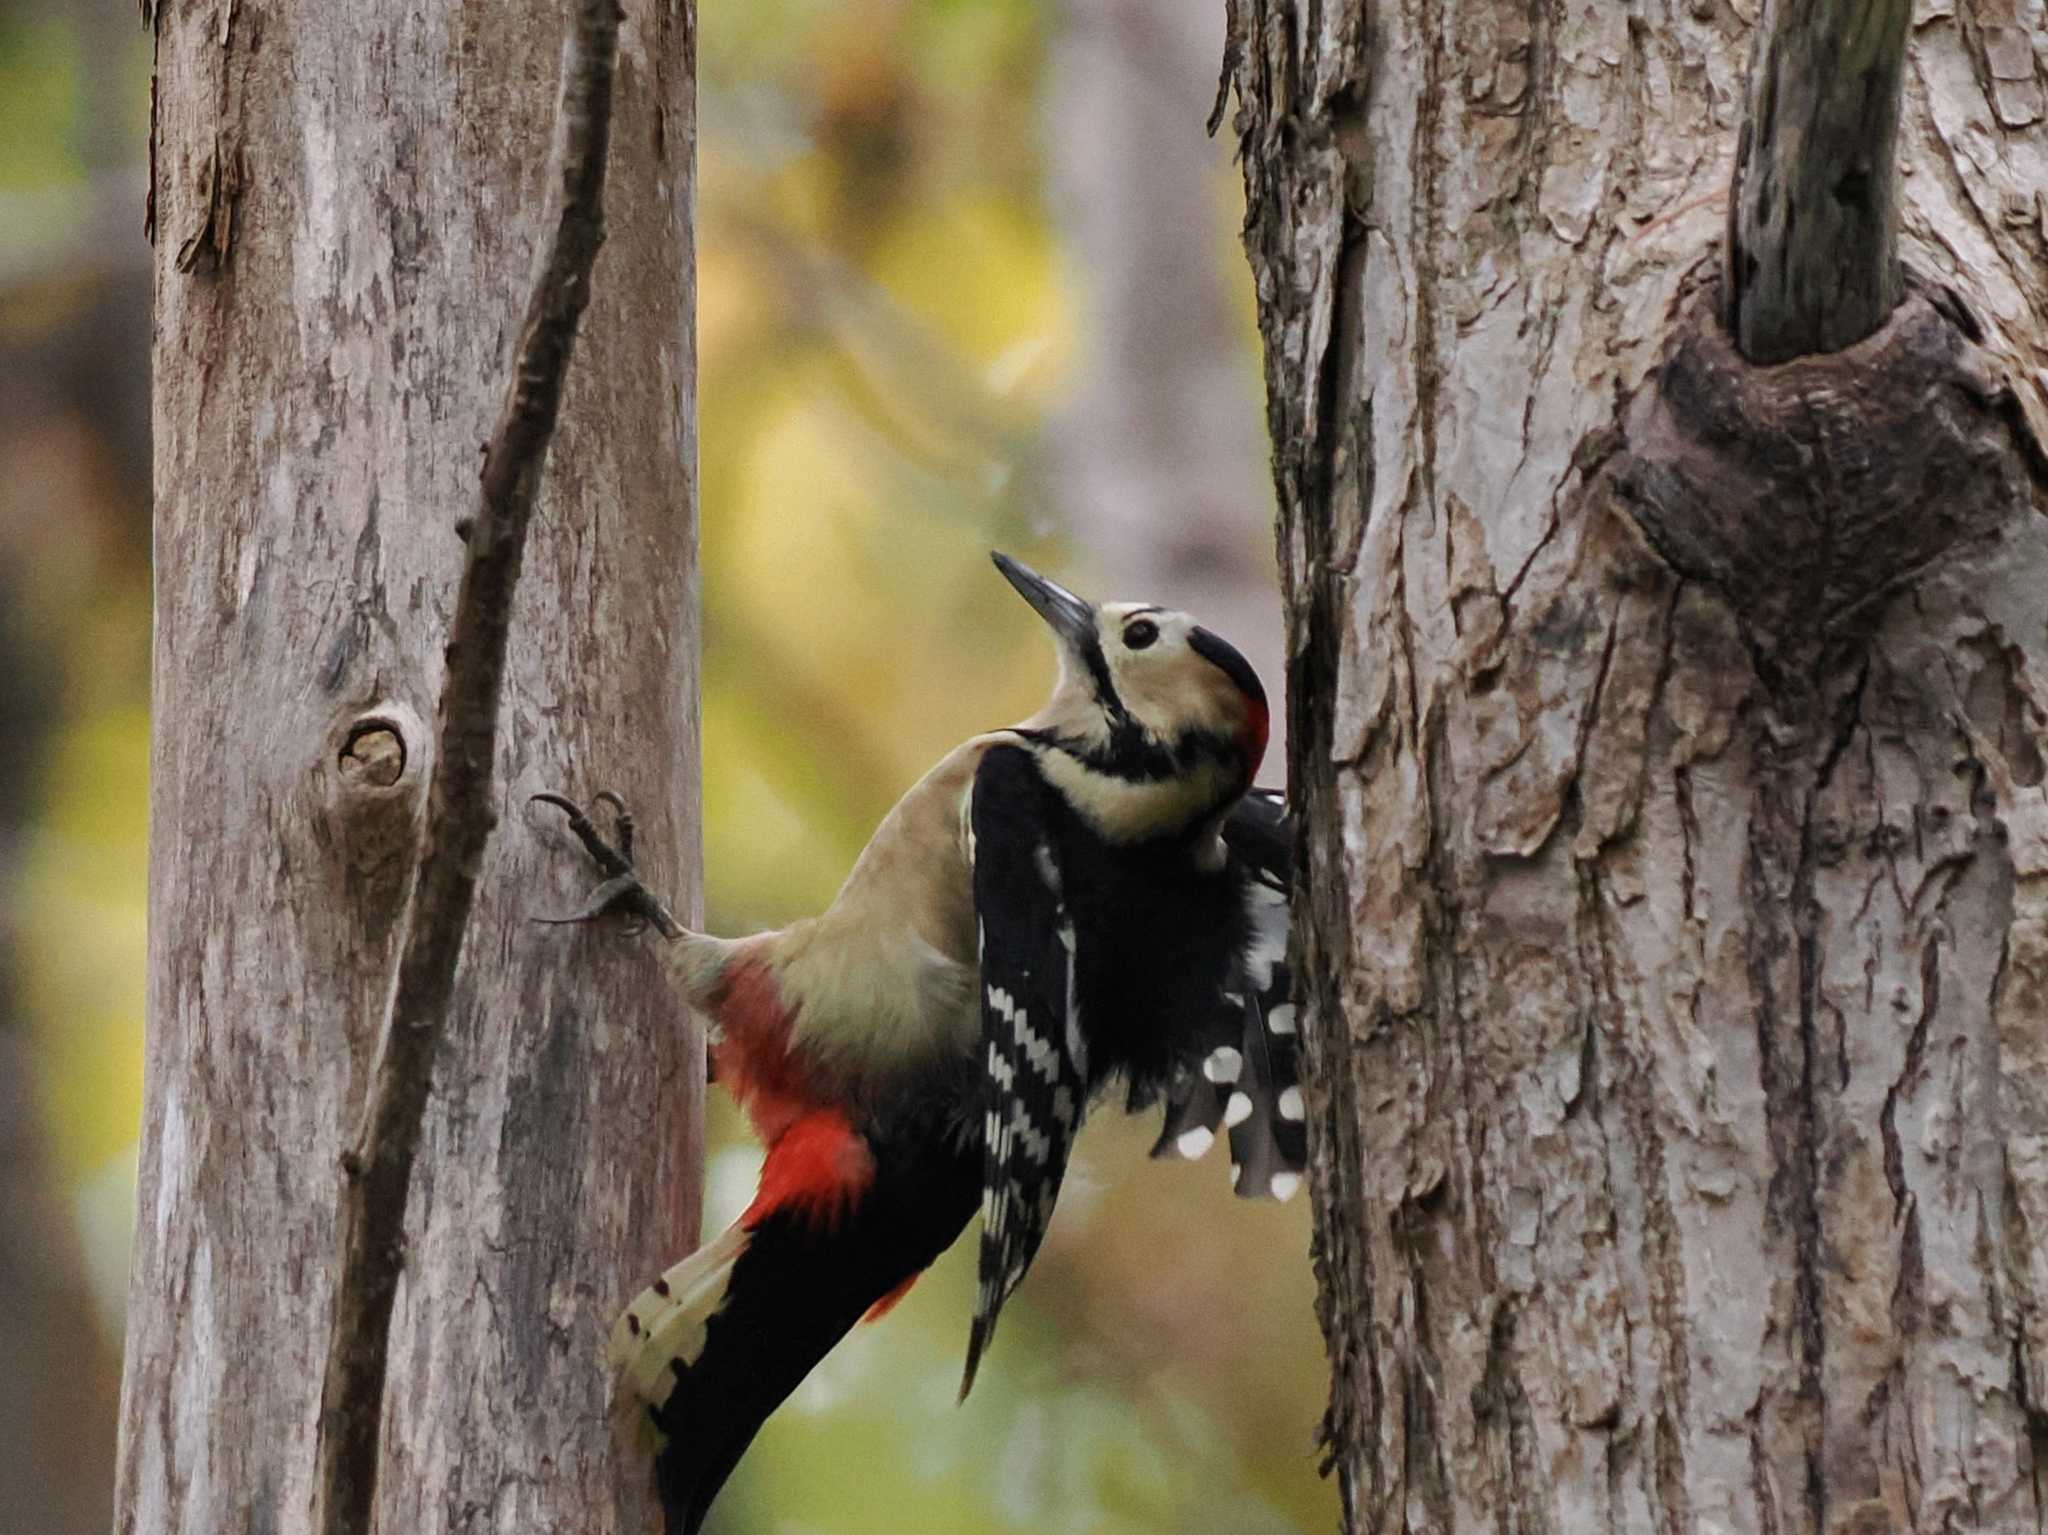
x=347, y=204
x=1669, y=733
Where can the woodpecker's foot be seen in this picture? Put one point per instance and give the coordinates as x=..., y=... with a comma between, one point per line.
x=622, y=890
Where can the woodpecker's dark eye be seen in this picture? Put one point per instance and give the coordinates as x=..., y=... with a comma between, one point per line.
x=1140, y=634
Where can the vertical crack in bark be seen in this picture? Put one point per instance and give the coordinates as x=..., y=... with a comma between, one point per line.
x=1781, y=867
x=1425, y=244
x=1909, y=1072
x=1807, y=1132
x=1500, y=1395
x=2036, y=1418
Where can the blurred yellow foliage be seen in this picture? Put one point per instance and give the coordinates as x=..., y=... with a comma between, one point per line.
x=83, y=944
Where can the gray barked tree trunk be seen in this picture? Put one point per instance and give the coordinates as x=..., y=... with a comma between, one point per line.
x=1670, y=733
x=347, y=202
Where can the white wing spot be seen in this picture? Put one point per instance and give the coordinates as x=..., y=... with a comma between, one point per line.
x=1281, y=1019
x=1290, y=1104
x=1223, y=1064
x=1237, y=1111
x=1236, y=1172
x=1193, y=1143
x=1284, y=1185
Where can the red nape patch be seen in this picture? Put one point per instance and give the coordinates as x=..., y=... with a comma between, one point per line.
x=818, y=1168
x=887, y=1303
x=1252, y=735
x=752, y=1059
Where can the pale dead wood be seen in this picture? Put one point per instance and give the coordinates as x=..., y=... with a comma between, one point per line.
x=320, y=397
x=1813, y=222
x=460, y=811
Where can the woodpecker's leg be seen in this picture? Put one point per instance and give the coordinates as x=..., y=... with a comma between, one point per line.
x=622, y=890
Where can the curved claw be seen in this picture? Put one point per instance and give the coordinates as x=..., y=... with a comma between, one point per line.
x=622, y=890
x=612, y=895
x=614, y=861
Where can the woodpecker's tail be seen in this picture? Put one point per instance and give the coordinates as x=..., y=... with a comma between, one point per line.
x=664, y=1328
x=840, y=1228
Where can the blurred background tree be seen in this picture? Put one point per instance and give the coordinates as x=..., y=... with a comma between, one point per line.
x=968, y=279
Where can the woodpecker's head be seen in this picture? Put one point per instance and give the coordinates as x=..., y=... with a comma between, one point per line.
x=1149, y=699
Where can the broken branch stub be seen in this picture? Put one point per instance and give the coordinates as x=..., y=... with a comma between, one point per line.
x=1812, y=257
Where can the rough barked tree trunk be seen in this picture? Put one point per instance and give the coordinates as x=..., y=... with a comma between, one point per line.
x=347, y=204
x=1670, y=733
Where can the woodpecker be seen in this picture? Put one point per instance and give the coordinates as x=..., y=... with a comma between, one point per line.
x=1094, y=896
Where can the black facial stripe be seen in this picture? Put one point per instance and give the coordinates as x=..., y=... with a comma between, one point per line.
x=1133, y=755
x=1224, y=655
x=1105, y=690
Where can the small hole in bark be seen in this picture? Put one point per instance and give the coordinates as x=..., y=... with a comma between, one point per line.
x=373, y=757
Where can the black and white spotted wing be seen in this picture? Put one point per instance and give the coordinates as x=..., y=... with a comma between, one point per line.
x=1035, y=1061
x=1250, y=1082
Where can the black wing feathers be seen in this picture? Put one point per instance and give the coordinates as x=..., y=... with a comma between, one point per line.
x=1240, y=1068
x=1035, y=1057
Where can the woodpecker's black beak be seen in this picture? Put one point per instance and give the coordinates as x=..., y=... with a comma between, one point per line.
x=1072, y=619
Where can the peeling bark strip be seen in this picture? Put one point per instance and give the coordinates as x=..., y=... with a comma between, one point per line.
x=319, y=402
x=1675, y=919
x=1813, y=226
x=460, y=812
